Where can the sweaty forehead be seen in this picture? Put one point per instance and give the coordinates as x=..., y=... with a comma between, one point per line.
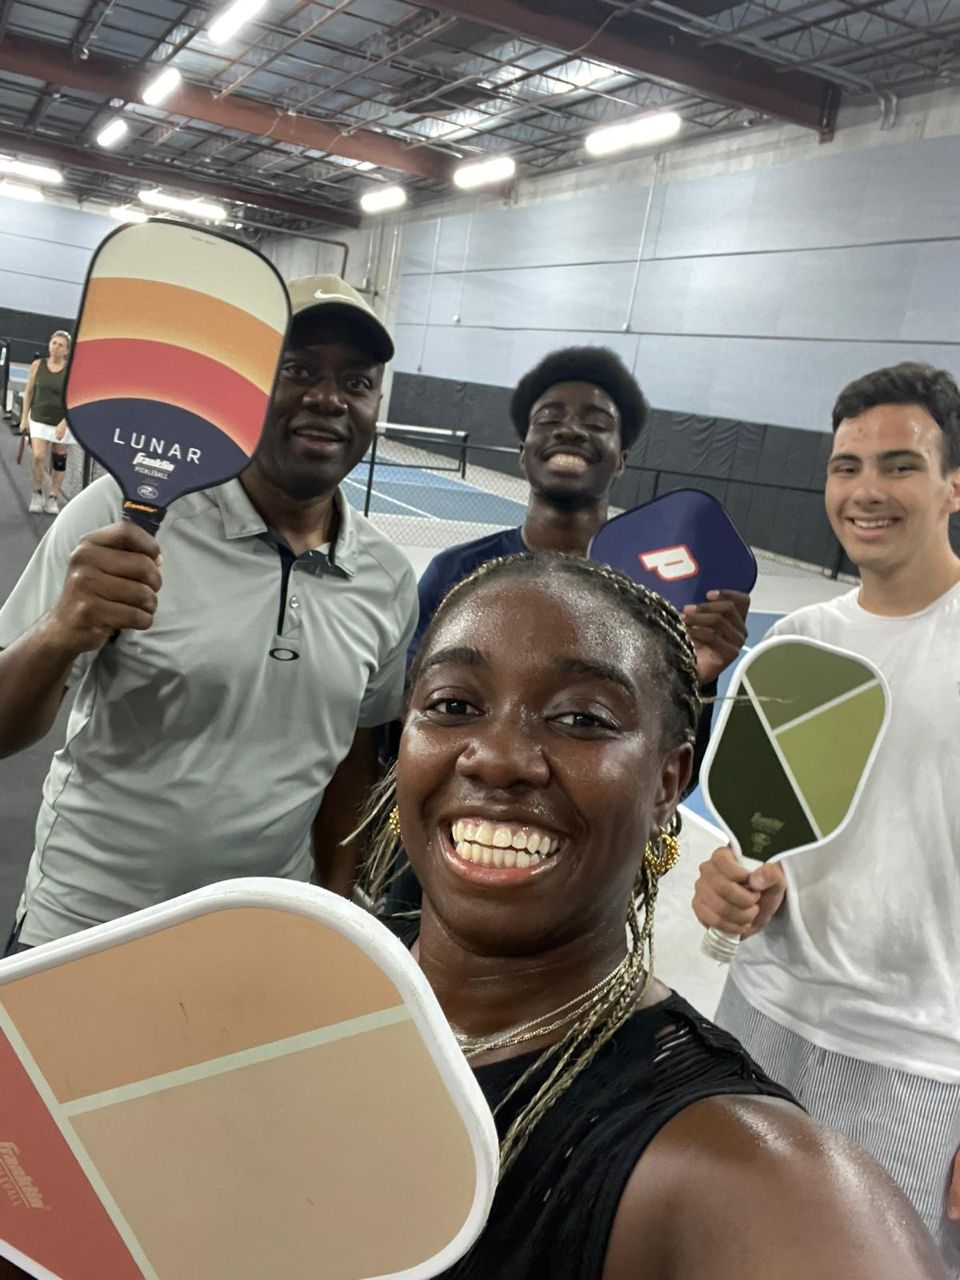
x=888, y=427
x=582, y=394
x=525, y=623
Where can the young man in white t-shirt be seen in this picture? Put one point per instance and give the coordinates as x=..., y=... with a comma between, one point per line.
x=847, y=988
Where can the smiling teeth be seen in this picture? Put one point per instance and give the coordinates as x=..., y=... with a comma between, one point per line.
x=871, y=524
x=500, y=845
x=569, y=459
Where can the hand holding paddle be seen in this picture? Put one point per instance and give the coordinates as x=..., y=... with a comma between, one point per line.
x=111, y=585
x=730, y=897
x=718, y=630
x=786, y=766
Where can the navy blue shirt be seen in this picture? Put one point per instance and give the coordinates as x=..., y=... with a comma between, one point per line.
x=455, y=564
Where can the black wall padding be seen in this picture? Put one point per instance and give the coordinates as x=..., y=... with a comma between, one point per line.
x=29, y=333
x=769, y=478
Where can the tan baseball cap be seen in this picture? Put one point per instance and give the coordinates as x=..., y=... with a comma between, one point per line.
x=307, y=293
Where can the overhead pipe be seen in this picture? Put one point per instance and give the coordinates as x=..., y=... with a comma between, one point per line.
x=51, y=63
x=144, y=172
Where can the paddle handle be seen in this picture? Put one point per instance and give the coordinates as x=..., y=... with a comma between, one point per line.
x=719, y=946
x=141, y=513
x=147, y=517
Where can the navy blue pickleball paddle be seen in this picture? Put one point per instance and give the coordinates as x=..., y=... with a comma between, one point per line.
x=681, y=546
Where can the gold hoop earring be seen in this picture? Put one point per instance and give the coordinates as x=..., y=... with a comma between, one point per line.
x=394, y=821
x=660, y=857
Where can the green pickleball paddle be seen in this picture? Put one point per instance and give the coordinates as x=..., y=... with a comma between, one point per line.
x=791, y=752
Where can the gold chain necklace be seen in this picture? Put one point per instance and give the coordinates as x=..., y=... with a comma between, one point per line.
x=533, y=1029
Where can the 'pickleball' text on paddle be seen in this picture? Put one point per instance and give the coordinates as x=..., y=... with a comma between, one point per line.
x=177, y=348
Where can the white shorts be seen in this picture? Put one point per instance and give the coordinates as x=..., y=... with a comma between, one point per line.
x=910, y=1124
x=42, y=431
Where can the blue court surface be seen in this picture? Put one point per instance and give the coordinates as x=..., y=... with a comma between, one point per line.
x=410, y=491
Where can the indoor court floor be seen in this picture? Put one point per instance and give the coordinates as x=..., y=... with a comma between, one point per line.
x=423, y=511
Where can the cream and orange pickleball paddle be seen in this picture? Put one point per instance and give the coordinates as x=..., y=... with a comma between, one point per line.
x=175, y=357
x=252, y=1081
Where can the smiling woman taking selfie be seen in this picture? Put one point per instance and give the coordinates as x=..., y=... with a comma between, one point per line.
x=546, y=744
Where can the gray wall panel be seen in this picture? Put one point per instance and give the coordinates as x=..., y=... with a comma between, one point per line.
x=592, y=297
x=594, y=228
x=912, y=190
x=35, y=293
x=418, y=243
x=741, y=308
x=790, y=383
x=45, y=250
x=496, y=357
x=876, y=293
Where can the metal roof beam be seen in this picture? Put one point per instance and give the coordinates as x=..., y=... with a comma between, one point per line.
x=58, y=153
x=42, y=60
x=630, y=41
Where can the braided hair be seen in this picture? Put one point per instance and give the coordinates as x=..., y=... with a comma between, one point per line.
x=556, y=1067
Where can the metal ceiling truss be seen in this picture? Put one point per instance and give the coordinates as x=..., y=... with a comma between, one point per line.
x=318, y=99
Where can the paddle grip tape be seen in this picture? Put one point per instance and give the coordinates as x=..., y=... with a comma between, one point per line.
x=147, y=517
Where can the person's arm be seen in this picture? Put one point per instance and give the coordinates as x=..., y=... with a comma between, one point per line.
x=952, y=1206
x=111, y=584
x=752, y=1189
x=339, y=813
x=28, y=398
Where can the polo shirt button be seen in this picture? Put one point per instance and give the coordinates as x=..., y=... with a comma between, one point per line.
x=294, y=602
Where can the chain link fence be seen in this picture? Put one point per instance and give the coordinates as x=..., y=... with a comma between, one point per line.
x=433, y=489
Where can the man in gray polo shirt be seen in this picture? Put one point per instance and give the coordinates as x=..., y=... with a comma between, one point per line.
x=230, y=729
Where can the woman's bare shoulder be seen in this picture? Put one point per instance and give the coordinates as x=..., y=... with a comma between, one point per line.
x=748, y=1188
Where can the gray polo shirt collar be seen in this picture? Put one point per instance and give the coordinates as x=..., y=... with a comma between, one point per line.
x=241, y=519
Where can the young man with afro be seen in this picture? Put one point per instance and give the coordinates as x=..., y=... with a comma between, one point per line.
x=578, y=413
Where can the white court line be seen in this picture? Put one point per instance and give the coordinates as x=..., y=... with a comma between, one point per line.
x=827, y=706
x=59, y=1117
x=801, y=799
x=386, y=497
x=236, y=1061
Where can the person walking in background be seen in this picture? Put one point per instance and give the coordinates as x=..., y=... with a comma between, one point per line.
x=847, y=988
x=44, y=420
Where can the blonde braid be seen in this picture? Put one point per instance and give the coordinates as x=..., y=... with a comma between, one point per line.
x=600, y=1021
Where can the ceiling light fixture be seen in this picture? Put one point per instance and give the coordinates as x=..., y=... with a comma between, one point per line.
x=635, y=133
x=33, y=172
x=382, y=199
x=112, y=132
x=127, y=213
x=161, y=86
x=483, y=173
x=20, y=191
x=229, y=22
x=192, y=206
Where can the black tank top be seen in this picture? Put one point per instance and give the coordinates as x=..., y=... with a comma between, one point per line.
x=554, y=1210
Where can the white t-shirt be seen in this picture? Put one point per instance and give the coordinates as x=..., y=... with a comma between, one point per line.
x=864, y=956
